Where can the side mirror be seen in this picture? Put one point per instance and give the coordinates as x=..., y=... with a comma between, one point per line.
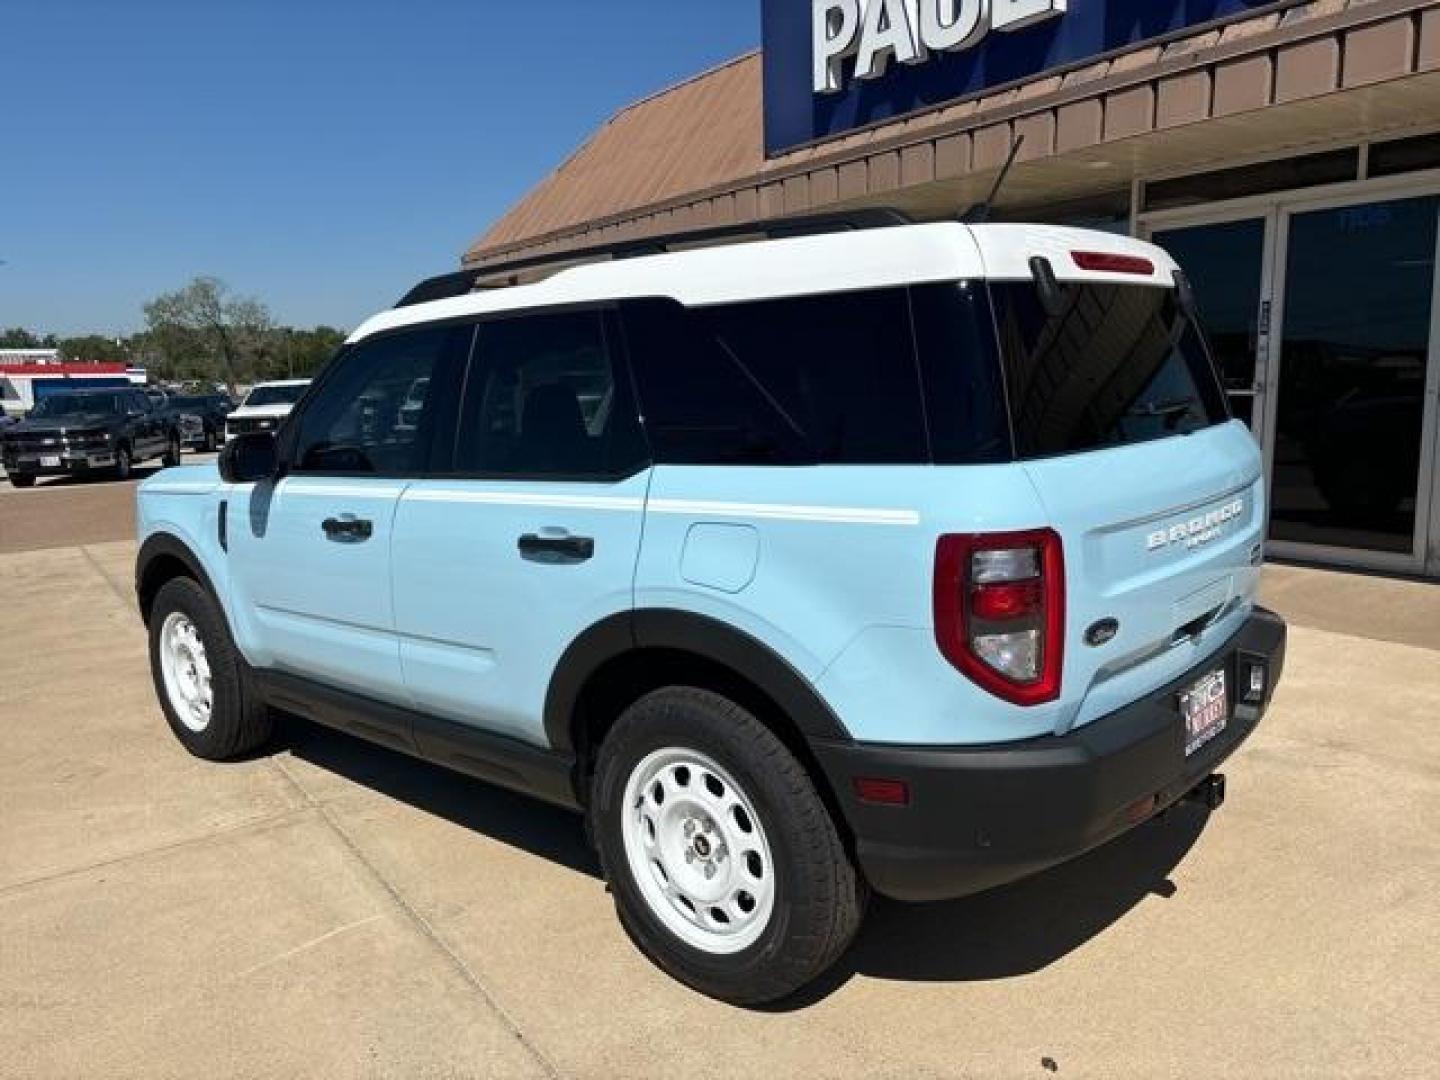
x=250, y=457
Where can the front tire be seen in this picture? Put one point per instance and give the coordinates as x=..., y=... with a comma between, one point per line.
x=22, y=480
x=172, y=452
x=726, y=867
x=200, y=677
x=124, y=465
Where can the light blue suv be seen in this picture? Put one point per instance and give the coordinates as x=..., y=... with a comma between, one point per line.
x=913, y=559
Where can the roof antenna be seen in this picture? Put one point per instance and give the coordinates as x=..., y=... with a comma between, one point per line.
x=980, y=212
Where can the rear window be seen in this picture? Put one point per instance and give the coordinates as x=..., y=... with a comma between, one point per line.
x=1111, y=365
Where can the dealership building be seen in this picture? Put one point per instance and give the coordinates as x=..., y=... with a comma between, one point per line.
x=1287, y=153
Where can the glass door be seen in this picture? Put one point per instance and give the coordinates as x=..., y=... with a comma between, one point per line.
x=1352, y=394
x=1227, y=263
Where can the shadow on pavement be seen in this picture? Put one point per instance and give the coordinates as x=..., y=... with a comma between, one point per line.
x=516, y=820
x=1007, y=932
x=1021, y=928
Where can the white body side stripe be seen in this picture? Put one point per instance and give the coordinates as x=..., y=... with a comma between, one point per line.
x=527, y=498
x=840, y=515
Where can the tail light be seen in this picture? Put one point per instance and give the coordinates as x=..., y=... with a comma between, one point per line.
x=1000, y=611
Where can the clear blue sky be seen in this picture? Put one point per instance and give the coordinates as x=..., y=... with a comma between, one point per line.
x=322, y=155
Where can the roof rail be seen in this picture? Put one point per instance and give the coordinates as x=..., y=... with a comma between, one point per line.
x=463, y=282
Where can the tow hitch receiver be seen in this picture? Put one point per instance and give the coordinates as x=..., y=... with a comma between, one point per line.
x=1210, y=792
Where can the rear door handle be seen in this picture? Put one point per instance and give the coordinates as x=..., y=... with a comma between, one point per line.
x=559, y=548
x=348, y=529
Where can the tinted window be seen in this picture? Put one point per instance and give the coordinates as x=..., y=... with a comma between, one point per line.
x=1112, y=365
x=274, y=395
x=1312, y=170
x=544, y=399
x=72, y=404
x=964, y=393
x=1405, y=155
x=367, y=417
x=810, y=380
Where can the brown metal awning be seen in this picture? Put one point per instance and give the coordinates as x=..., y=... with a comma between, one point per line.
x=692, y=156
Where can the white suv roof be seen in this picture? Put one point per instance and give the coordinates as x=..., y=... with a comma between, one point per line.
x=825, y=263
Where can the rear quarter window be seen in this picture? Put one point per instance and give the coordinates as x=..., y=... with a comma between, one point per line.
x=1108, y=365
x=814, y=380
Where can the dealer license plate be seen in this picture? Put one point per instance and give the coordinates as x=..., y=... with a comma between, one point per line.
x=1205, y=708
x=50, y=461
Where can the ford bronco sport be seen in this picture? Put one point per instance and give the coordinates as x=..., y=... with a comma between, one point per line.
x=912, y=559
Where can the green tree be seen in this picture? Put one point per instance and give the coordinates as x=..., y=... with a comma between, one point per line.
x=17, y=337
x=95, y=347
x=296, y=354
x=203, y=332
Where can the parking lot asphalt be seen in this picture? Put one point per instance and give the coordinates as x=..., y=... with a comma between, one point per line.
x=333, y=909
x=72, y=509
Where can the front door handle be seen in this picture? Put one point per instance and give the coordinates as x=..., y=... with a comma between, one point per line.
x=557, y=548
x=348, y=529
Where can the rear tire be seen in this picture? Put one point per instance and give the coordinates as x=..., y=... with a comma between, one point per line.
x=200, y=677
x=739, y=885
x=22, y=480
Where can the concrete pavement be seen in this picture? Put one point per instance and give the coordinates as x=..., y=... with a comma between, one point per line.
x=334, y=909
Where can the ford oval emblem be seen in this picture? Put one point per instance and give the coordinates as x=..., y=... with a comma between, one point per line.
x=1102, y=633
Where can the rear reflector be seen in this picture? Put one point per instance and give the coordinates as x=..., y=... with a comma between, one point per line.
x=872, y=789
x=1104, y=262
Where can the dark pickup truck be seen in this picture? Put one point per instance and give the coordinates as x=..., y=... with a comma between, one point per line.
x=203, y=423
x=85, y=431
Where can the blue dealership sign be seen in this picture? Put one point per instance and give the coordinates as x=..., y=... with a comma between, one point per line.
x=835, y=65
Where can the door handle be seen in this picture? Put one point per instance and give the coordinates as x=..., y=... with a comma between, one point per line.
x=560, y=548
x=347, y=529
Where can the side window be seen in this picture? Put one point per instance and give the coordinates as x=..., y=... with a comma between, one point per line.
x=827, y=379
x=376, y=411
x=544, y=399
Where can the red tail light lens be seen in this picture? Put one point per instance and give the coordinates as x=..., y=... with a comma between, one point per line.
x=1104, y=262
x=1000, y=611
x=1009, y=601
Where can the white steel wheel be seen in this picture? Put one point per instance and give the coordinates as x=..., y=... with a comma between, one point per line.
x=186, y=671
x=697, y=850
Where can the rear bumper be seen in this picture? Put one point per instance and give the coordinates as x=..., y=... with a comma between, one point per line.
x=978, y=817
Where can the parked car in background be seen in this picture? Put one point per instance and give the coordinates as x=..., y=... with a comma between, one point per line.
x=265, y=406
x=204, y=418
x=85, y=431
